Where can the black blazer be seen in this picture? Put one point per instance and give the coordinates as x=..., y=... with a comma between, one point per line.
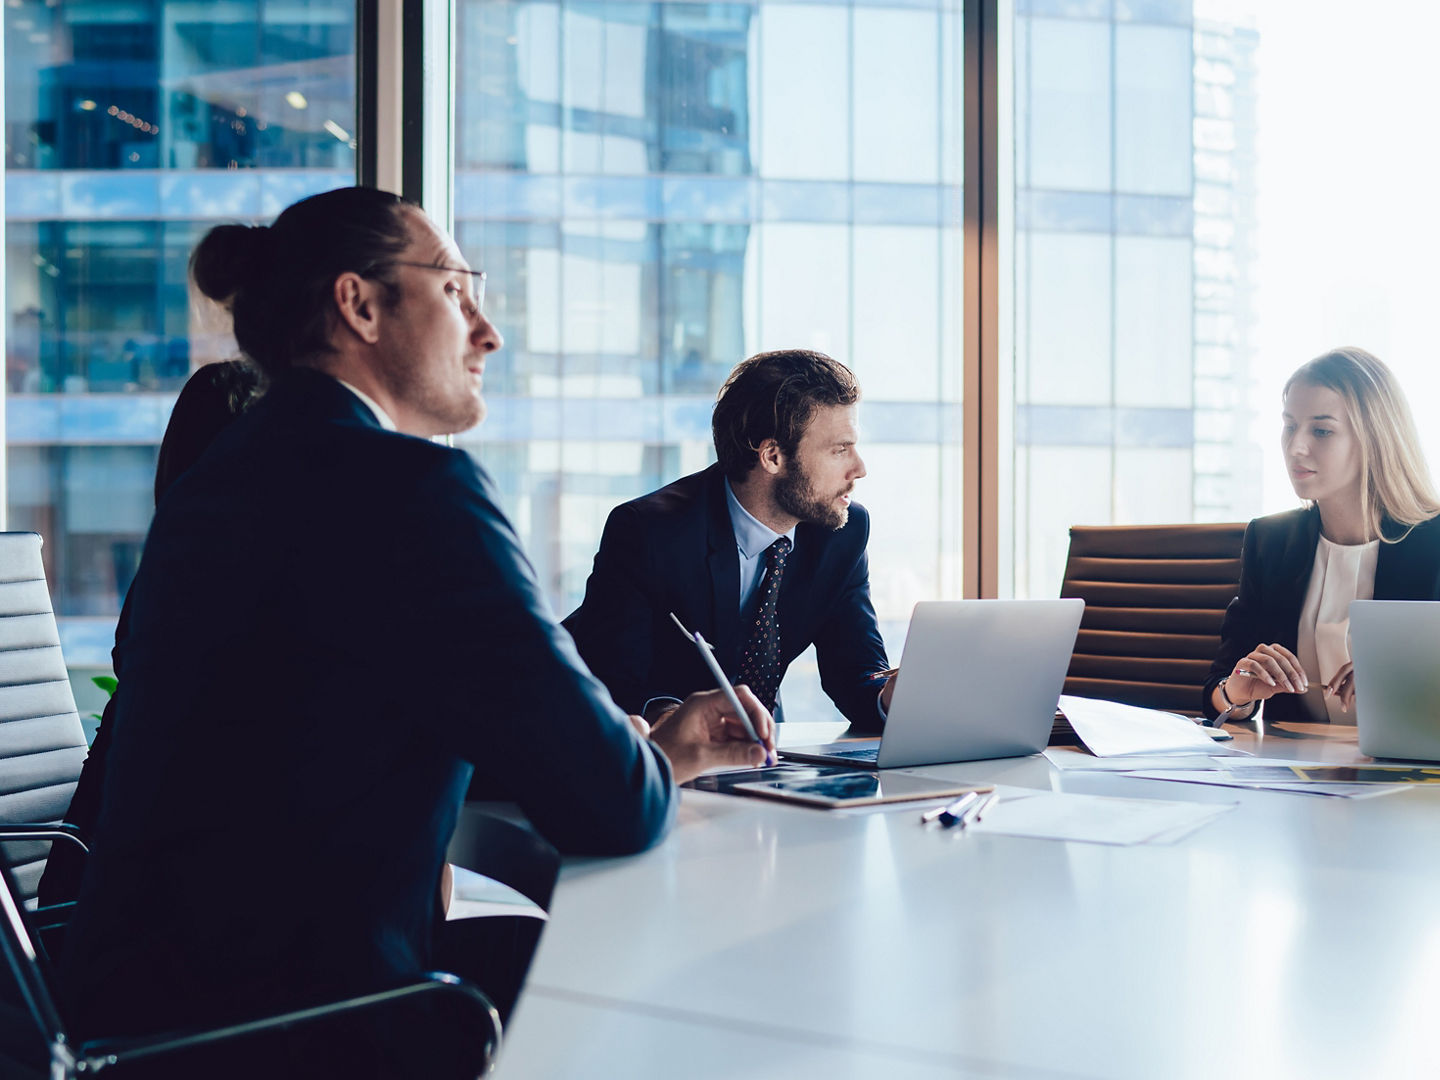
x=1276, y=559
x=209, y=401
x=331, y=624
x=674, y=550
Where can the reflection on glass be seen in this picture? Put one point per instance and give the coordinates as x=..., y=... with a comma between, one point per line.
x=130, y=129
x=1134, y=208
x=660, y=190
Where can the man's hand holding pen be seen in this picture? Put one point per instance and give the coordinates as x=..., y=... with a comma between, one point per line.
x=703, y=734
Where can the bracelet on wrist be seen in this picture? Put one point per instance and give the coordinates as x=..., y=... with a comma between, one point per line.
x=1231, y=708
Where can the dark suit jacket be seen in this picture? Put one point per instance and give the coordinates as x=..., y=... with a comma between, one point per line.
x=1277, y=556
x=674, y=550
x=330, y=625
x=209, y=401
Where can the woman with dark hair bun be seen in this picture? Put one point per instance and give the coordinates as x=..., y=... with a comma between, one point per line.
x=211, y=398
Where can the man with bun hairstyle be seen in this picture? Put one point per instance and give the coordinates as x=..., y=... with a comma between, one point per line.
x=333, y=625
x=763, y=553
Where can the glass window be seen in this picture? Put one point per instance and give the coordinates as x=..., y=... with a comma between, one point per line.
x=804, y=85
x=130, y=129
x=1153, y=124
x=1065, y=71
x=728, y=179
x=1134, y=360
x=896, y=95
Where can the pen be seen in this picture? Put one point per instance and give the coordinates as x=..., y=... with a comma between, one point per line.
x=950, y=810
x=883, y=674
x=973, y=812
x=708, y=655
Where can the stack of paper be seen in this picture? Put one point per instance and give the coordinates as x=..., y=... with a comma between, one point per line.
x=1109, y=729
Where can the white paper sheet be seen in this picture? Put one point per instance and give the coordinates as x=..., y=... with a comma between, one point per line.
x=1237, y=780
x=1109, y=729
x=1078, y=761
x=474, y=896
x=1097, y=819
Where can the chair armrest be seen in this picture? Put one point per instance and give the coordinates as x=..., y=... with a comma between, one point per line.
x=44, y=831
x=102, y=1053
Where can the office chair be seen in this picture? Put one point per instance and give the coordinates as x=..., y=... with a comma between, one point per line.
x=66, y=1060
x=42, y=745
x=1155, y=596
x=498, y=948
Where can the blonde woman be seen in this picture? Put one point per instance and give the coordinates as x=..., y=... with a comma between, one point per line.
x=1368, y=530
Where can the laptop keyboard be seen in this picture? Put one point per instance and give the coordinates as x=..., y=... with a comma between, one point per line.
x=863, y=753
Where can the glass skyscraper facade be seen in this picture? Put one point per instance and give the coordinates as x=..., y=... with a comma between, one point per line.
x=1134, y=250
x=130, y=129
x=656, y=191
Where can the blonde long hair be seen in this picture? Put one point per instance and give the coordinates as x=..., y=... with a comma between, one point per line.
x=1397, y=480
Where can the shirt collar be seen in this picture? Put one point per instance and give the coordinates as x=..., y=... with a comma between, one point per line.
x=752, y=536
x=381, y=416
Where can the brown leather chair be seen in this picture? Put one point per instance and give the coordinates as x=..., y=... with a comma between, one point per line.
x=1155, y=596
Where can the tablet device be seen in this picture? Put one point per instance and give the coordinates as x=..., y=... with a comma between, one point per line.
x=855, y=789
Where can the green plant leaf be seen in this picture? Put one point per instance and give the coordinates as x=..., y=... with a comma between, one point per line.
x=106, y=683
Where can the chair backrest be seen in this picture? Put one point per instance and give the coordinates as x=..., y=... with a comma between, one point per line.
x=1155, y=596
x=42, y=745
x=506, y=852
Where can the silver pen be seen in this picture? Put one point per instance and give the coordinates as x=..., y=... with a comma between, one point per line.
x=708, y=655
x=975, y=812
x=950, y=810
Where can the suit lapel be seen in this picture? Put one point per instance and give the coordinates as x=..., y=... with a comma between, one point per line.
x=722, y=561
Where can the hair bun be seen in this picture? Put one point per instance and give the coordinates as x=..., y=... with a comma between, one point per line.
x=228, y=259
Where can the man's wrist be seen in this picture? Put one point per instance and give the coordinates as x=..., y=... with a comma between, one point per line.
x=658, y=708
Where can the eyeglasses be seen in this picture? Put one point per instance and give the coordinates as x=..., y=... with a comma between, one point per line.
x=477, y=279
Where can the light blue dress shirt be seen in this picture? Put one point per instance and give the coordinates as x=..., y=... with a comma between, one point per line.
x=752, y=538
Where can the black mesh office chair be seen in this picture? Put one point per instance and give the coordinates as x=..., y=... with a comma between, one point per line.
x=56, y=1055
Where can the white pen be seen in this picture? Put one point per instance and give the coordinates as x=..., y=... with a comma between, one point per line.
x=950, y=809
x=708, y=655
x=975, y=812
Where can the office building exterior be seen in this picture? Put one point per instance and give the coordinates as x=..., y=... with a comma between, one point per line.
x=656, y=190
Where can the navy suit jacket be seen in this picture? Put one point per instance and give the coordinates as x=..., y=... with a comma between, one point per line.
x=1277, y=556
x=674, y=550
x=331, y=624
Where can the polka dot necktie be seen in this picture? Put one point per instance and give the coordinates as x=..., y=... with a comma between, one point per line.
x=760, y=662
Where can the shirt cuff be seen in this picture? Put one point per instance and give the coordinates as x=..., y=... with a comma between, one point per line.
x=663, y=699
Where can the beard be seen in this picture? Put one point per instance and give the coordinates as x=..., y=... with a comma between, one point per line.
x=448, y=406
x=796, y=495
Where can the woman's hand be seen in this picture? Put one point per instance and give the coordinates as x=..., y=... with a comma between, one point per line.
x=1342, y=686
x=1265, y=672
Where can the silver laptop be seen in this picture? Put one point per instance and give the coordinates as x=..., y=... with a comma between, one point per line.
x=978, y=679
x=1395, y=645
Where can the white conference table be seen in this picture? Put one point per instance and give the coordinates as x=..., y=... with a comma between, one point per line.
x=1294, y=936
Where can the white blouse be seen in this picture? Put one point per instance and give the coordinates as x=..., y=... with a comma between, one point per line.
x=1343, y=572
